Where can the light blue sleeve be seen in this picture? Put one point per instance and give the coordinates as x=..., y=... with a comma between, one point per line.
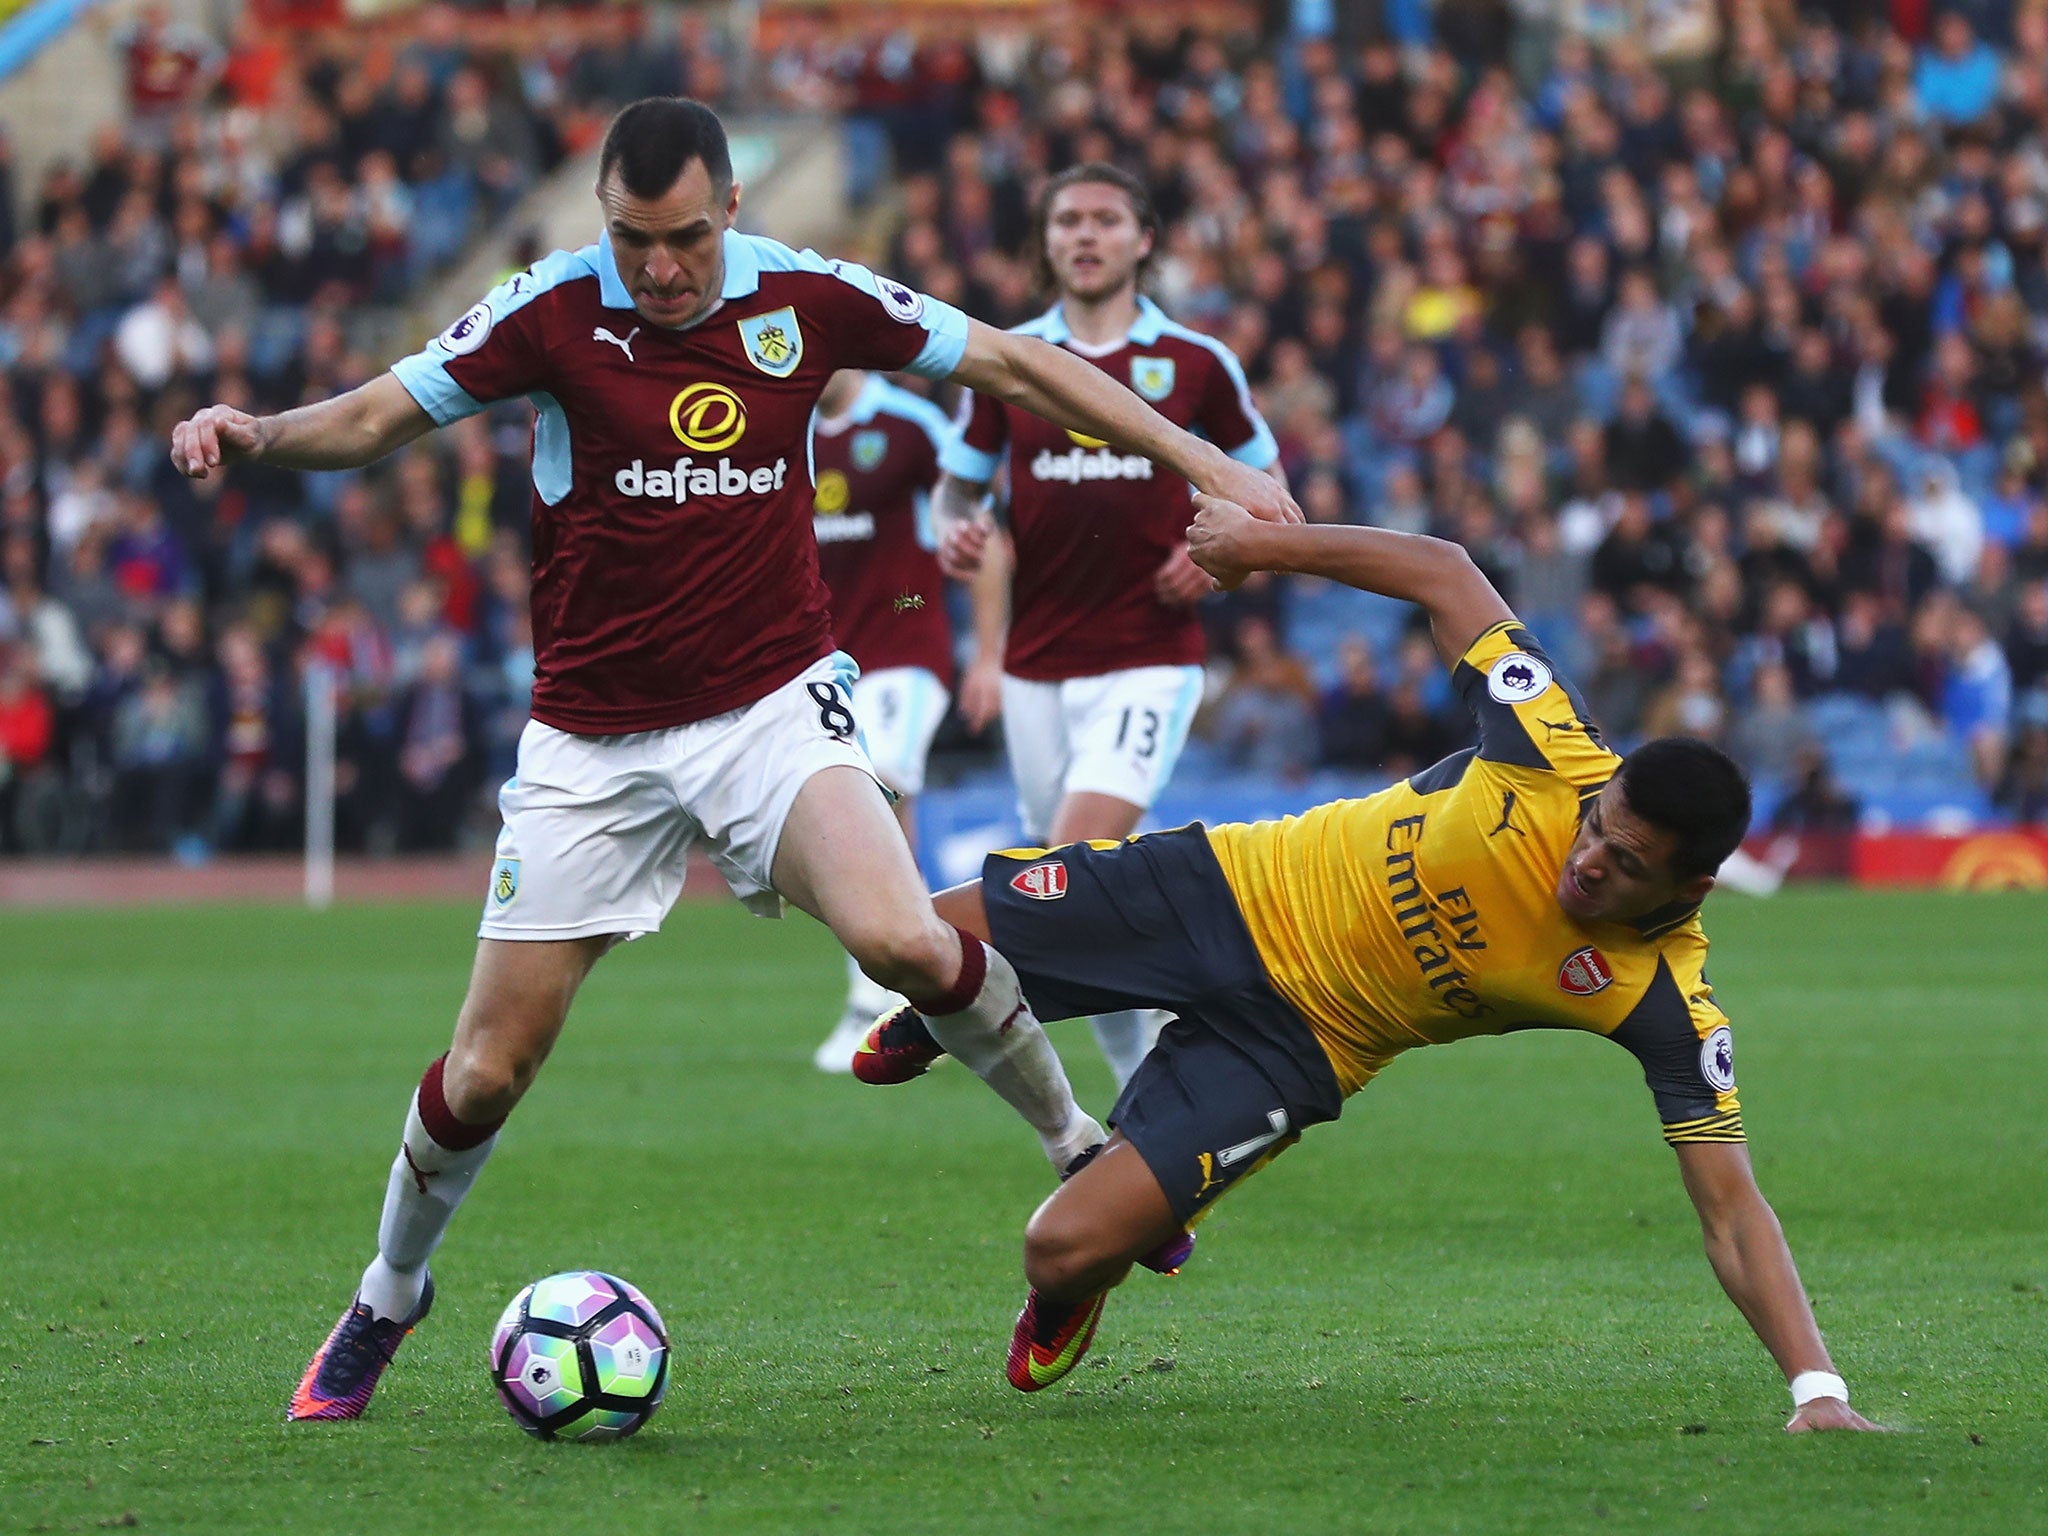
x=947, y=328
x=426, y=378
x=920, y=413
x=1259, y=451
x=931, y=421
x=425, y=374
x=968, y=463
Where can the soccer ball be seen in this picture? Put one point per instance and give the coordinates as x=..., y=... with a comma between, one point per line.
x=580, y=1356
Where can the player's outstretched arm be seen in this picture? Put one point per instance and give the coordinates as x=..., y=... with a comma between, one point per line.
x=1747, y=1248
x=973, y=550
x=1069, y=392
x=981, y=685
x=346, y=432
x=1461, y=603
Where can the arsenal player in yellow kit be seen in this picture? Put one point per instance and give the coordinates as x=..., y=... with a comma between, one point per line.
x=1535, y=881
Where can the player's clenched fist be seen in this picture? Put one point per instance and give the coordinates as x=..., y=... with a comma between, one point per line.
x=218, y=435
x=962, y=545
x=1252, y=489
x=1219, y=540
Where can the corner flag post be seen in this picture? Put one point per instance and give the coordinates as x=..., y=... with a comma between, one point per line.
x=320, y=710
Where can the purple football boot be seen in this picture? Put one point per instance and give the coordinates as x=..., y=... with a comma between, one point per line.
x=341, y=1377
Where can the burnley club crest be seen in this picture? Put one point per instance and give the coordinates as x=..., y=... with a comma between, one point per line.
x=870, y=447
x=773, y=341
x=1152, y=377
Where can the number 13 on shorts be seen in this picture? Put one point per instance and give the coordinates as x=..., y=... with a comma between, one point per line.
x=1117, y=734
x=1146, y=740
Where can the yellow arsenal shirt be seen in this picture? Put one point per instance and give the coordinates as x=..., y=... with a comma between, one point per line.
x=1427, y=913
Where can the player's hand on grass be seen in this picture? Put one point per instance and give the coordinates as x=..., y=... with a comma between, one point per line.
x=981, y=693
x=1179, y=581
x=217, y=436
x=1219, y=540
x=962, y=543
x=1828, y=1413
x=1253, y=489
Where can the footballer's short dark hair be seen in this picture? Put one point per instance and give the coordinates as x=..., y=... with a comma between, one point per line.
x=650, y=142
x=1098, y=173
x=1693, y=791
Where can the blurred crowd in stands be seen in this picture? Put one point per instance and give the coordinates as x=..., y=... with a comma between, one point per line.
x=248, y=234
x=1716, y=333
x=1718, y=339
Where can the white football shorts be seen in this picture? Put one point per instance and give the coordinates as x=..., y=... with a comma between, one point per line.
x=1116, y=734
x=900, y=709
x=598, y=829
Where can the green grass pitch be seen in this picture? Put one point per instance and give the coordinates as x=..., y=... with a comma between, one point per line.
x=1477, y=1304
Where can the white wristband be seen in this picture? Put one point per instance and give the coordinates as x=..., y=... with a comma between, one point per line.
x=1808, y=1385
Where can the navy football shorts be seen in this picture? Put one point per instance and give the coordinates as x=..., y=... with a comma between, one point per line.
x=1151, y=923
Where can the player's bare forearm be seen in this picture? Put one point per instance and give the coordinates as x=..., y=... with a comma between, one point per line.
x=1051, y=382
x=346, y=432
x=981, y=685
x=1439, y=576
x=990, y=594
x=1754, y=1264
x=1047, y=381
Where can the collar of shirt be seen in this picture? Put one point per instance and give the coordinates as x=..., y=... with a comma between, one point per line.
x=1146, y=329
x=742, y=273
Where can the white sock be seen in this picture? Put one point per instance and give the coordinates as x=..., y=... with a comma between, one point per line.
x=997, y=1038
x=427, y=1183
x=1126, y=1038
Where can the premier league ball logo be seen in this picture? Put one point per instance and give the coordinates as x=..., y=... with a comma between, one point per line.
x=470, y=332
x=1516, y=678
x=904, y=304
x=1717, y=1059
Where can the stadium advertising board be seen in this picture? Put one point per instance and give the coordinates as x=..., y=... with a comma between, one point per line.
x=2008, y=860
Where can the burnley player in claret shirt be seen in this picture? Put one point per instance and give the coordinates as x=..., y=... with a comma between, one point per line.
x=687, y=689
x=1085, y=625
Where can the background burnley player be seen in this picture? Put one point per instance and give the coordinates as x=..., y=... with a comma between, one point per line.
x=686, y=687
x=875, y=453
x=1535, y=881
x=1087, y=636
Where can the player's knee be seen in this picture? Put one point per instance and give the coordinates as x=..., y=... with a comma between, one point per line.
x=1064, y=1257
x=482, y=1082
x=917, y=959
